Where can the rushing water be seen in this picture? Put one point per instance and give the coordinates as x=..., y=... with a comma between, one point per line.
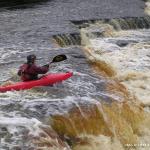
x=91, y=110
x=127, y=54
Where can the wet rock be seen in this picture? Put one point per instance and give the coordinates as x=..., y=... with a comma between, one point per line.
x=123, y=43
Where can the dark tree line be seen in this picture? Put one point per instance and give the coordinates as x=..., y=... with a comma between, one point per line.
x=19, y=3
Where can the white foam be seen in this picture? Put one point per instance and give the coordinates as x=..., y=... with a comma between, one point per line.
x=131, y=62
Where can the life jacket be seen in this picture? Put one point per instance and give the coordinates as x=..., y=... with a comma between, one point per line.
x=30, y=72
x=24, y=73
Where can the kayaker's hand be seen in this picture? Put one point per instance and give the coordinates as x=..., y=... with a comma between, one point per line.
x=47, y=65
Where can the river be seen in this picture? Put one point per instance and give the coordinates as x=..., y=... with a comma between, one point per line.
x=105, y=105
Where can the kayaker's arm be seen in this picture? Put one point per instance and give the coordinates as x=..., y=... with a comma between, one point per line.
x=41, y=70
x=47, y=65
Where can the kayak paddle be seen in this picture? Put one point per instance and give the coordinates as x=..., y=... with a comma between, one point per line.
x=59, y=58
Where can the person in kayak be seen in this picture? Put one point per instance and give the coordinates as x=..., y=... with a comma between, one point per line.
x=29, y=70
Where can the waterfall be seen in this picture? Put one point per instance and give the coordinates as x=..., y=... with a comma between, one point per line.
x=65, y=40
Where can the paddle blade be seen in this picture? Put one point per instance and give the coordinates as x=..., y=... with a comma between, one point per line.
x=59, y=58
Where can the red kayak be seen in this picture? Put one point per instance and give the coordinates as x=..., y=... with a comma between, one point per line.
x=48, y=79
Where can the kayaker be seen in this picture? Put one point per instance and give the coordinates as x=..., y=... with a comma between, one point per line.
x=29, y=70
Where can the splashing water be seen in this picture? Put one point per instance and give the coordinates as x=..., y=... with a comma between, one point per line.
x=127, y=52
